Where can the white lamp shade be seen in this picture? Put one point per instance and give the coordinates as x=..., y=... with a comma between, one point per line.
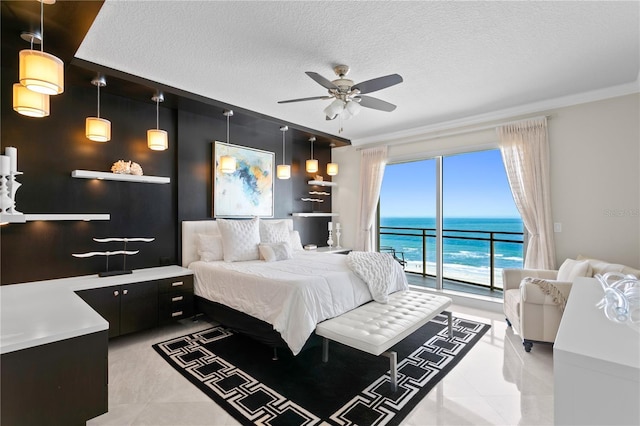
x=41, y=72
x=227, y=164
x=332, y=169
x=334, y=108
x=283, y=171
x=312, y=166
x=353, y=108
x=98, y=129
x=157, y=140
x=29, y=103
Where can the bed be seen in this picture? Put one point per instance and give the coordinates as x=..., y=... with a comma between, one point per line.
x=279, y=302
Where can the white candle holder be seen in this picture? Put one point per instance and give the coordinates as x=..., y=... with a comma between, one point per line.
x=338, y=238
x=330, y=240
x=13, y=185
x=5, y=199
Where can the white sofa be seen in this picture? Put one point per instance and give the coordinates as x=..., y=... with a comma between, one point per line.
x=535, y=314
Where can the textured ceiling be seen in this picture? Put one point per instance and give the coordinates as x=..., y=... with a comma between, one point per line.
x=458, y=59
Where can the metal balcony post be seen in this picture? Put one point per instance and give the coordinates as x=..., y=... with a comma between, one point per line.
x=491, y=262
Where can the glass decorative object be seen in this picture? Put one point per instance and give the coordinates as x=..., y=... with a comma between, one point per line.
x=621, y=300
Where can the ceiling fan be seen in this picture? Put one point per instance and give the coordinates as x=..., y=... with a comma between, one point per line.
x=349, y=97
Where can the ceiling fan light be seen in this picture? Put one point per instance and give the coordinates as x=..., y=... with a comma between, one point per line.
x=353, y=107
x=30, y=103
x=332, y=169
x=283, y=171
x=337, y=106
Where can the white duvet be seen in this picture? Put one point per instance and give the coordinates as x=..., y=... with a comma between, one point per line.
x=292, y=295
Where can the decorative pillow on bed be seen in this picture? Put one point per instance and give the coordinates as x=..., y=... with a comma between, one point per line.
x=294, y=238
x=272, y=252
x=210, y=247
x=274, y=232
x=240, y=239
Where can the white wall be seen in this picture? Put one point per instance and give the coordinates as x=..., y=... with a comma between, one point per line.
x=595, y=177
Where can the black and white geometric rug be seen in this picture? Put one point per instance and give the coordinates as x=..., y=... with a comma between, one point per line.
x=351, y=389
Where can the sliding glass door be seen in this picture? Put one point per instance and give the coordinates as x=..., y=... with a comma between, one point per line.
x=452, y=220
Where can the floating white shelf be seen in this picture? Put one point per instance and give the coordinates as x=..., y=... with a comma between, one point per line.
x=322, y=183
x=315, y=214
x=90, y=174
x=30, y=217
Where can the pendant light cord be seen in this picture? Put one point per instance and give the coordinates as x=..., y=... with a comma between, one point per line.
x=98, y=100
x=228, y=129
x=312, y=149
x=283, y=151
x=158, y=113
x=41, y=26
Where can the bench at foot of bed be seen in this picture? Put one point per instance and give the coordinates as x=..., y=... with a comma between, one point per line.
x=375, y=327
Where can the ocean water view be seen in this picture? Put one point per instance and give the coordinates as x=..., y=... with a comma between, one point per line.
x=464, y=257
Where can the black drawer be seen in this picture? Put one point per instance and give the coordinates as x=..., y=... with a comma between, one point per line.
x=183, y=283
x=175, y=306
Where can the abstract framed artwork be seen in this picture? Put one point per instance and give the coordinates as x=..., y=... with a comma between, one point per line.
x=248, y=191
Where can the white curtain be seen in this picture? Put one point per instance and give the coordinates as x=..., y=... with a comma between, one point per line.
x=525, y=152
x=372, y=163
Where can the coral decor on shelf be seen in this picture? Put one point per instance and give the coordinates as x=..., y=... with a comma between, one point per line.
x=126, y=168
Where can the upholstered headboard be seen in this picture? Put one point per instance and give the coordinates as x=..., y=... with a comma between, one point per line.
x=190, y=229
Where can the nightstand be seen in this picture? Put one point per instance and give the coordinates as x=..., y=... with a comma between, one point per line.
x=333, y=250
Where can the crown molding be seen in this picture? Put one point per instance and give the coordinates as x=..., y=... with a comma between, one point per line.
x=418, y=134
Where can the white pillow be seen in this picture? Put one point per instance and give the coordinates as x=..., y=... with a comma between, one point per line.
x=296, y=244
x=240, y=239
x=274, y=232
x=210, y=247
x=272, y=252
x=572, y=269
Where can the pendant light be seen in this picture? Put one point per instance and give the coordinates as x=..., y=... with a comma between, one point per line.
x=30, y=103
x=227, y=162
x=157, y=139
x=98, y=129
x=283, y=171
x=312, y=165
x=332, y=168
x=41, y=71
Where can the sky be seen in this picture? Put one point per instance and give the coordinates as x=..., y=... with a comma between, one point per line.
x=475, y=185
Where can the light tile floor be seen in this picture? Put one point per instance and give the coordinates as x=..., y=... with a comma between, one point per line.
x=496, y=383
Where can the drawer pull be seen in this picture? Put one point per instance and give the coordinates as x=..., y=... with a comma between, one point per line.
x=116, y=293
x=177, y=298
x=176, y=314
x=125, y=291
x=177, y=284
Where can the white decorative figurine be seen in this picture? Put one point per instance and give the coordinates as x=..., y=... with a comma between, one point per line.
x=123, y=252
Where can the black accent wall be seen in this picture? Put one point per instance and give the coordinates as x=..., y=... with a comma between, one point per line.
x=50, y=148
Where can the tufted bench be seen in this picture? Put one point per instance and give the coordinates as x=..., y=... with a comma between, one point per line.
x=375, y=327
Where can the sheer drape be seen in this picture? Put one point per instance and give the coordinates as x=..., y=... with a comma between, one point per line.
x=525, y=152
x=372, y=163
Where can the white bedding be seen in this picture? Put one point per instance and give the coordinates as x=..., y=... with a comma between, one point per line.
x=293, y=295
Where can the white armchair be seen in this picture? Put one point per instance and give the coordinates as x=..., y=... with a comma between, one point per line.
x=533, y=313
x=535, y=316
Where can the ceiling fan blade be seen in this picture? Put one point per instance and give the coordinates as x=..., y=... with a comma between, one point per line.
x=378, y=83
x=375, y=103
x=321, y=80
x=305, y=99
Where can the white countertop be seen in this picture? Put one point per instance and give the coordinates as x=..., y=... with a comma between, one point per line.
x=41, y=312
x=585, y=332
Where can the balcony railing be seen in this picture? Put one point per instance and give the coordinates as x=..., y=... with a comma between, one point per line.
x=449, y=235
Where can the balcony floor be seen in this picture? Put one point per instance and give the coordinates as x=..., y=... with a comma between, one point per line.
x=430, y=282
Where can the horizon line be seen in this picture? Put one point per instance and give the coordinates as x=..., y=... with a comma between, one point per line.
x=453, y=217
